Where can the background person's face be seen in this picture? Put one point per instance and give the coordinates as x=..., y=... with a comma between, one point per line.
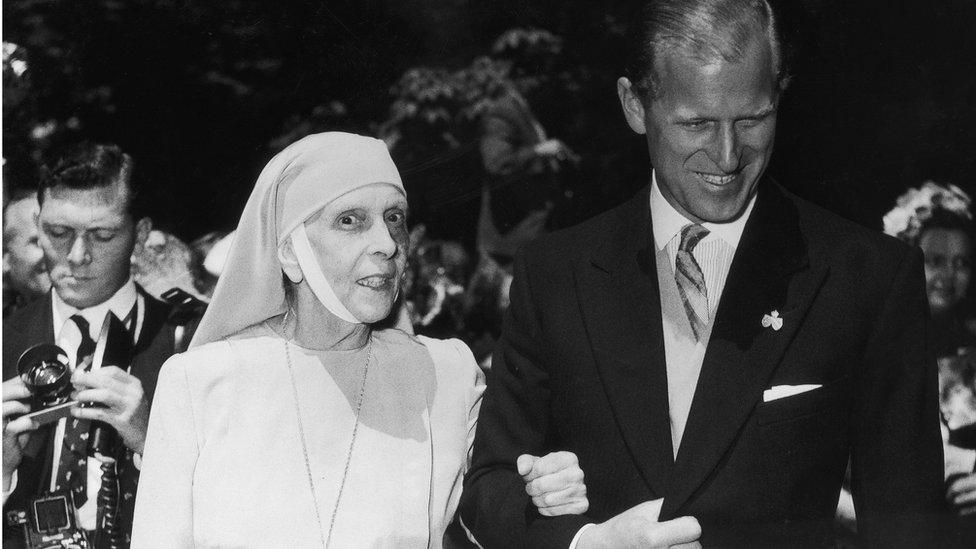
x=710, y=131
x=23, y=259
x=948, y=267
x=87, y=237
x=361, y=242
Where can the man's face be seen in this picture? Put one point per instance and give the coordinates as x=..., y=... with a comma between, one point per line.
x=87, y=237
x=23, y=260
x=710, y=129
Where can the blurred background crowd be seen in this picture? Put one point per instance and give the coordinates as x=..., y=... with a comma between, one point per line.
x=503, y=120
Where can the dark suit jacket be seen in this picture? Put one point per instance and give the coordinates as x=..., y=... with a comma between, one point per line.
x=34, y=324
x=580, y=367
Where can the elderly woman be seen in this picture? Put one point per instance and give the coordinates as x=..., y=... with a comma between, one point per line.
x=293, y=421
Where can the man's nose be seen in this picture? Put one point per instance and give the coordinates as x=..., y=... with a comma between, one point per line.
x=725, y=151
x=80, y=252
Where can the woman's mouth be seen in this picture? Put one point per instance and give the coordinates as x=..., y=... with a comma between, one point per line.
x=376, y=282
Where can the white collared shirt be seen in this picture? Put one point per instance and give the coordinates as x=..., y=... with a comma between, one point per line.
x=714, y=254
x=68, y=337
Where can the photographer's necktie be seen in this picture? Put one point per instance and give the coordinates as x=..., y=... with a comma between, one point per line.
x=691, y=281
x=73, y=462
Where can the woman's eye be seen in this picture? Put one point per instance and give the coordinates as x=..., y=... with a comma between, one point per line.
x=348, y=221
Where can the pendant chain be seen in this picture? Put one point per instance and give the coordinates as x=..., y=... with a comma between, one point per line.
x=301, y=431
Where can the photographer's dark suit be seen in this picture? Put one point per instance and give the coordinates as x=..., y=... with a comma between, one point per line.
x=581, y=367
x=33, y=324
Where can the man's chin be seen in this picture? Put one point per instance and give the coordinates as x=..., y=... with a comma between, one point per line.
x=75, y=297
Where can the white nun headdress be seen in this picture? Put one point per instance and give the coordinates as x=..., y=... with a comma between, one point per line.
x=298, y=182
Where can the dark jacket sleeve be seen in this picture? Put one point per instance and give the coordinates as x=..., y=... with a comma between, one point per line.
x=514, y=420
x=897, y=448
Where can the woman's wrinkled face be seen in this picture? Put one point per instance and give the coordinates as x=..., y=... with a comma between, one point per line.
x=361, y=242
x=948, y=267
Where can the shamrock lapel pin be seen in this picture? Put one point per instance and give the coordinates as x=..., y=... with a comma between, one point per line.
x=772, y=319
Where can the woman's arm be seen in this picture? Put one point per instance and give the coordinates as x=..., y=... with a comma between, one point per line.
x=164, y=501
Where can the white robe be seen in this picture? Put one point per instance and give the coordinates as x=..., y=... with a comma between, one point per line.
x=224, y=466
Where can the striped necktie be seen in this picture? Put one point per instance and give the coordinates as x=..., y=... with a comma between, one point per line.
x=691, y=281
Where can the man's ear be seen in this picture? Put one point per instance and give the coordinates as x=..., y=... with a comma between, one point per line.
x=289, y=262
x=143, y=228
x=631, y=104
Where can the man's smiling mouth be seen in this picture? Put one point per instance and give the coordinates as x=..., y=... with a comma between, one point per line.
x=717, y=180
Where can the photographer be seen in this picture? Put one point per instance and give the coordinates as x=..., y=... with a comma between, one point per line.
x=90, y=221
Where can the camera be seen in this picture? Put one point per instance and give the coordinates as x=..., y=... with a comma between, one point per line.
x=49, y=523
x=46, y=372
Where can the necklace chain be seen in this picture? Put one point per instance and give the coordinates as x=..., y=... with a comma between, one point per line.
x=301, y=431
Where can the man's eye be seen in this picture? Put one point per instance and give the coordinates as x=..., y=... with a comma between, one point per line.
x=694, y=124
x=102, y=235
x=57, y=232
x=396, y=217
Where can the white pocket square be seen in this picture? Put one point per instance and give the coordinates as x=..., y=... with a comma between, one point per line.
x=783, y=391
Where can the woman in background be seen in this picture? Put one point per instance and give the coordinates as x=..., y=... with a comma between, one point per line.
x=937, y=219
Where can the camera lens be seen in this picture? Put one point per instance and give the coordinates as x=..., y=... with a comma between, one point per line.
x=44, y=370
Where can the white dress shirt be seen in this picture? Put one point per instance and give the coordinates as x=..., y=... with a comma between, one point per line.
x=714, y=254
x=68, y=337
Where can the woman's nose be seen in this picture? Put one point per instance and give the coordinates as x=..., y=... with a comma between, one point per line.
x=381, y=241
x=79, y=254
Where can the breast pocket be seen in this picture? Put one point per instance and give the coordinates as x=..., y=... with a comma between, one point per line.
x=831, y=396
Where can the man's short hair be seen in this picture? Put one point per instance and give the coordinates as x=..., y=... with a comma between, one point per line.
x=708, y=30
x=91, y=166
x=12, y=197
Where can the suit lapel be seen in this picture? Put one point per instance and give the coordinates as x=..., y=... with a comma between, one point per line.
x=153, y=347
x=770, y=271
x=618, y=293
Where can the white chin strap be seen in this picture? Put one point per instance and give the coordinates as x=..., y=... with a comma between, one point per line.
x=316, y=280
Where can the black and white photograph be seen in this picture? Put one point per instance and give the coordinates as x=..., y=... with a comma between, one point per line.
x=515, y=273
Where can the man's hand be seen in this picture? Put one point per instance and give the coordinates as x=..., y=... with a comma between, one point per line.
x=961, y=494
x=125, y=405
x=555, y=483
x=638, y=527
x=16, y=430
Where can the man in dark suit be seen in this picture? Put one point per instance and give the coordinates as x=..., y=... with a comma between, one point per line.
x=89, y=222
x=716, y=347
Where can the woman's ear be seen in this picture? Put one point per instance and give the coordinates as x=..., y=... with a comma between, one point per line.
x=289, y=262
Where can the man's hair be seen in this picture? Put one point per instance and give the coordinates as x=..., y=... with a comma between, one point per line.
x=708, y=30
x=91, y=166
